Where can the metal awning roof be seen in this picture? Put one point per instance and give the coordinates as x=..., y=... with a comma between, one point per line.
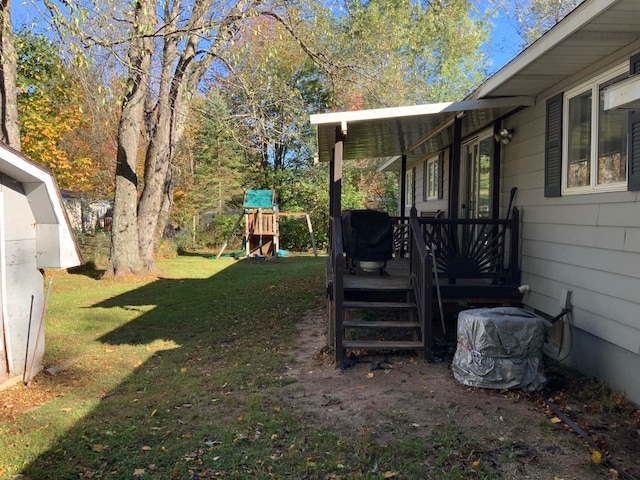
x=586, y=37
x=413, y=131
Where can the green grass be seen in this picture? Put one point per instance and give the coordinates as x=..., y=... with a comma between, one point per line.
x=180, y=377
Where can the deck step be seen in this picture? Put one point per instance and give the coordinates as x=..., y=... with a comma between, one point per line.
x=379, y=324
x=381, y=345
x=361, y=305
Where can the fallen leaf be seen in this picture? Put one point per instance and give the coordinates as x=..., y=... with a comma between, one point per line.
x=154, y=412
x=97, y=448
x=370, y=375
x=360, y=387
x=596, y=457
x=390, y=474
x=555, y=420
x=66, y=409
x=139, y=472
x=476, y=463
x=183, y=370
x=146, y=448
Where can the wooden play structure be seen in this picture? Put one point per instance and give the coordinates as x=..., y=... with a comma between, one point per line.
x=261, y=233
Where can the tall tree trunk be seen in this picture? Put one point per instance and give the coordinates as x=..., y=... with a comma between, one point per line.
x=8, y=93
x=157, y=162
x=125, y=256
x=166, y=134
x=167, y=199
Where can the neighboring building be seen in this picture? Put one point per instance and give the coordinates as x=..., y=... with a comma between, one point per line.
x=558, y=123
x=86, y=215
x=34, y=235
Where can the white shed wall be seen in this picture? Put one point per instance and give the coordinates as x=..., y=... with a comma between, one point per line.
x=23, y=279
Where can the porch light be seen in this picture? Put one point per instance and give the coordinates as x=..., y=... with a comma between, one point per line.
x=504, y=135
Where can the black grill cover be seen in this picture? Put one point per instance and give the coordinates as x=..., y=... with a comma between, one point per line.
x=367, y=235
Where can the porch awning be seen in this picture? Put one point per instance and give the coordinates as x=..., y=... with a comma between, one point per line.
x=413, y=131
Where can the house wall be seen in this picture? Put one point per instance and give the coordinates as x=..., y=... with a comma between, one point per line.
x=430, y=205
x=589, y=244
x=21, y=280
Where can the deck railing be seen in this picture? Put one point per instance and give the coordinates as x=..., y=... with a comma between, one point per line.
x=420, y=274
x=468, y=248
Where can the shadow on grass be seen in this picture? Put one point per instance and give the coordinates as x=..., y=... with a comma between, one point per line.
x=216, y=344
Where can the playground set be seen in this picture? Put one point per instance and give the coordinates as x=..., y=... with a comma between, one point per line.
x=261, y=237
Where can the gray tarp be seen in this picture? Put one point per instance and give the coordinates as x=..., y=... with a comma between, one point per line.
x=500, y=348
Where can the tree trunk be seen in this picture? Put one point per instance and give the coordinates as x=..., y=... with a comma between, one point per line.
x=8, y=94
x=125, y=256
x=167, y=200
x=166, y=134
x=158, y=158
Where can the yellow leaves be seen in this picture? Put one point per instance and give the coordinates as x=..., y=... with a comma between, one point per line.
x=596, y=457
x=555, y=420
x=146, y=448
x=98, y=448
x=153, y=413
x=139, y=472
x=369, y=375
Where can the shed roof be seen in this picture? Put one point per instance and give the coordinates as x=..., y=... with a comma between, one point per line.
x=56, y=246
x=588, y=35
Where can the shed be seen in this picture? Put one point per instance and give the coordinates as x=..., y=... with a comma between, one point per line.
x=34, y=235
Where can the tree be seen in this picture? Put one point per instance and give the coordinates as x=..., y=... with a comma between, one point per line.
x=50, y=110
x=8, y=94
x=396, y=52
x=535, y=17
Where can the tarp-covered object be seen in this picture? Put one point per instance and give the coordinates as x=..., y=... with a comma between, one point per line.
x=367, y=235
x=500, y=348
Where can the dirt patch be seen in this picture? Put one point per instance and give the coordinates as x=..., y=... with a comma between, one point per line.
x=398, y=395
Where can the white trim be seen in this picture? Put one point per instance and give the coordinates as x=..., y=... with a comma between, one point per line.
x=570, y=24
x=343, y=118
x=593, y=85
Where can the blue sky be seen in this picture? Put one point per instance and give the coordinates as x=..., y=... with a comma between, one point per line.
x=505, y=42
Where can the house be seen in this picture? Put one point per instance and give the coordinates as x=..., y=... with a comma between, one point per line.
x=556, y=132
x=34, y=235
x=87, y=215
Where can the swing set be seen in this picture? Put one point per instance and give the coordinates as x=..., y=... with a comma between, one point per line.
x=261, y=232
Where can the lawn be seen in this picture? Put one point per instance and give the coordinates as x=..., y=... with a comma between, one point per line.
x=172, y=377
x=184, y=376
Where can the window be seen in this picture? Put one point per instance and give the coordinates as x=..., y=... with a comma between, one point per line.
x=595, y=146
x=431, y=179
x=411, y=187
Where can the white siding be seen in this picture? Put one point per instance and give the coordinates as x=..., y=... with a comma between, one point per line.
x=589, y=244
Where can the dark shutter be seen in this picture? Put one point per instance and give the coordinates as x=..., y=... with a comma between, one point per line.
x=441, y=175
x=634, y=64
x=553, y=148
x=634, y=151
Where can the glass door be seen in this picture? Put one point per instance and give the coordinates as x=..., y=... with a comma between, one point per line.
x=476, y=179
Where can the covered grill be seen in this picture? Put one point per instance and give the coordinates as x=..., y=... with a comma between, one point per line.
x=368, y=238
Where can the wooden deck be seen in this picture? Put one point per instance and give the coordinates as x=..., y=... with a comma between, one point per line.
x=471, y=291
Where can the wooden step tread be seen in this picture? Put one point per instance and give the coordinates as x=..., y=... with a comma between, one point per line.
x=379, y=324
x=382, y=345
x=352, y=304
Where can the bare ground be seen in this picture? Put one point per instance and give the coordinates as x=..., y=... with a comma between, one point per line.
x=519, y=437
